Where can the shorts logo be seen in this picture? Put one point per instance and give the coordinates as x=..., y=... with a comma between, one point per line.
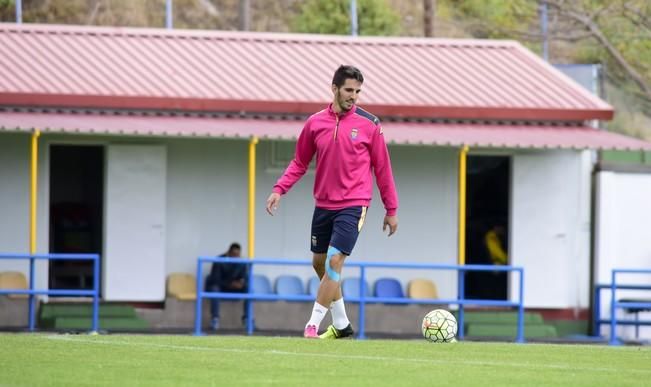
x=353, y=134
x=314, y=240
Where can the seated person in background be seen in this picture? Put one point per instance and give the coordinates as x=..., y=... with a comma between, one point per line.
x=226, y=277
x=495, y=283
x=493, y=242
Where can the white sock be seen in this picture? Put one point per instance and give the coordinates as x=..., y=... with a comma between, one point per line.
x=318, y=313
x=338, y=310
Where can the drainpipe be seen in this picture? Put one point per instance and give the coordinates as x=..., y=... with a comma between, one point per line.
x=32, y=191
x=252, y=158
x=463, y=156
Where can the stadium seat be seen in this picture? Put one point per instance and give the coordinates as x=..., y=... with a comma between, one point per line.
x=261, y=284
x=182, y=286
x=13, y=280
x=313, y=286
x=289, y=285
x=388, y=287
x=350, y=288
x=421, y=288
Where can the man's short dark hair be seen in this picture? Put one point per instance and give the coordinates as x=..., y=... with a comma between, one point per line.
x=234, y=246
x=346, y=72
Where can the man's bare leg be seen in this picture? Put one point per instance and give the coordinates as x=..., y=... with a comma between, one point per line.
x=318, y=263
x=330, y=288
x=328, y=268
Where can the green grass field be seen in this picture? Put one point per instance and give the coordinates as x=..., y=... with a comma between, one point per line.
x=157, y=360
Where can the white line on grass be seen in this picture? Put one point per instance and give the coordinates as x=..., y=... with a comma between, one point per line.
x=565, y=367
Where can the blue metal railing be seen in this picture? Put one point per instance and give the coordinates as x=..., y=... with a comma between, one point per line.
x=56, y=292
x=362, y=299
x=614, y=304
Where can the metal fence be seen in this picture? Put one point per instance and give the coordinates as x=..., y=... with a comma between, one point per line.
x=630, y=304
x=362, y=300
x=56, y=292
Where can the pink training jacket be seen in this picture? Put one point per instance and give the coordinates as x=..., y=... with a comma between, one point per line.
x=348, y=147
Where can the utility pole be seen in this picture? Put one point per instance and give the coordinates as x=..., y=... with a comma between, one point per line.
x=428, y=17
x=353, y=17
x=245, y=15
x=543, y=29
x=169, y=21
x=19, y=11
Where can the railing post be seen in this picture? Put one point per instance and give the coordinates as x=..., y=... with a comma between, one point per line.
x=462, y=297
x=362, y=302
x=31, y=294
x=197, y=305
x=249, y=303
x=95, y=327
x=613, y=314
x=520, y=335
x=596, y=312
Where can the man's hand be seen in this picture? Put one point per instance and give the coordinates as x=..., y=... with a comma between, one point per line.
x=392, y=222
x=238, y=284
x=272, y=203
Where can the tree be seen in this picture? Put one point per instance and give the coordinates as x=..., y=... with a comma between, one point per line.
x=614, y=32
x=7, y=10
x=494, y=19
x=621, y=28
x=375, y=17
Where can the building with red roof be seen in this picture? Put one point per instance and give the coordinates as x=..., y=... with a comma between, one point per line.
x=148, y=132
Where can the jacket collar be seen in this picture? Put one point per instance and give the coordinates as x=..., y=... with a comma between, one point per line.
x=342, y=115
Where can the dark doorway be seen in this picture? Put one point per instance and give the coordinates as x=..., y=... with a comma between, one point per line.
x=487, y=224
x=76, y=209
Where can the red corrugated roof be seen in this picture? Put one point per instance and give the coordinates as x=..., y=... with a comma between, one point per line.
x=439, y=134
x=112, y=68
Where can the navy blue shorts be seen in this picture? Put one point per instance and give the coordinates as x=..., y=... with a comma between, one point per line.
x=336, y=228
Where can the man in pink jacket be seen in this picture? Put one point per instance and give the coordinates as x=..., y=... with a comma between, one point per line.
x=349, y=148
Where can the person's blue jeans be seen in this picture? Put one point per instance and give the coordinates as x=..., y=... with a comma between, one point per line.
x=214, y=302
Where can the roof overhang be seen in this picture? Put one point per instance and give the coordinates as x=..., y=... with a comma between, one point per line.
x=411, y=133
x=189, y=104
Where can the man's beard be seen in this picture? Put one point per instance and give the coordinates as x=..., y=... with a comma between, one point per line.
x=342, y=104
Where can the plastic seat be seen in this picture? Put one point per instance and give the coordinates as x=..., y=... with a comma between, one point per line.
x=182, y=286
x=421, y=288
x=289, y=285
x=388, y=287
x=313, y=286
x=350, y=288
x=13, y=280
x=261, y=284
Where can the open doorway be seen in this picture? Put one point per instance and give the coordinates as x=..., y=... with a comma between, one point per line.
x=76, y=209
x=487, y=224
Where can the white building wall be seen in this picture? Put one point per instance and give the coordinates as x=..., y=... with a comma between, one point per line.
x=622, y=239
x=206, y=200
x=426, y=180
x=14, y=204
x=207, y=210
x=550, y=227
x=14, y=191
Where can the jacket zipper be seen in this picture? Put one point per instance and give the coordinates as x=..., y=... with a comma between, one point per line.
x=336, y=126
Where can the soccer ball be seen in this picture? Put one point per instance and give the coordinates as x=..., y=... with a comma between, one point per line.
x=439, y=326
